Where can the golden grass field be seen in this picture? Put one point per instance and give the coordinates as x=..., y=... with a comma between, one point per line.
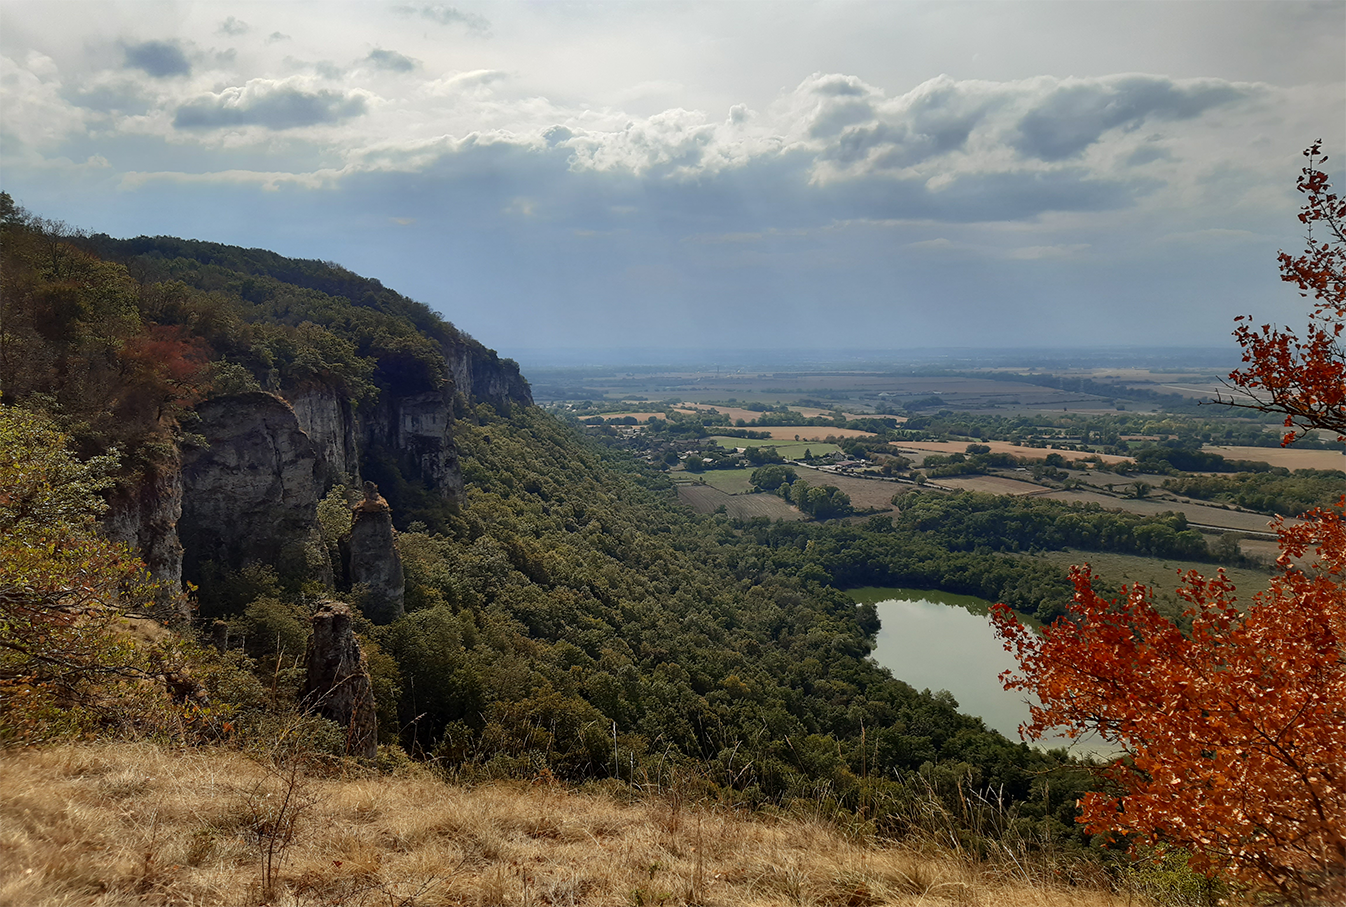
x=1026, y=453
x=121, y=823
x=1290, y=458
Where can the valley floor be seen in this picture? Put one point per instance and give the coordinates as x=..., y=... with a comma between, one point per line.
x=112, y=824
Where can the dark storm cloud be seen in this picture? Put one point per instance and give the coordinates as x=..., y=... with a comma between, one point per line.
x=447, y=15
x=159, y=59
x=391, y=60
x=1074, y=116
x=276, y=107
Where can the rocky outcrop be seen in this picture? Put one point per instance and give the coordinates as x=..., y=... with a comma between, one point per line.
x=416, y=433
x=375, y=564
x=337, y=685
x=328, y=420
x=145, y=517
x=252, y=494
x=479, y=374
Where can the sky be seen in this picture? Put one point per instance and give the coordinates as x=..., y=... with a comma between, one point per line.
x=806, y=175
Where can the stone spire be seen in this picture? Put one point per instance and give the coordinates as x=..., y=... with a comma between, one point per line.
x=338, y=686
x=375, y=562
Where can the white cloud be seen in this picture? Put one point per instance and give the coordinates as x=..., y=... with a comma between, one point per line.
x=271, y=104
x=36, y=116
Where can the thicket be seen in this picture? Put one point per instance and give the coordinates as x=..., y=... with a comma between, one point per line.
x=1278, y=491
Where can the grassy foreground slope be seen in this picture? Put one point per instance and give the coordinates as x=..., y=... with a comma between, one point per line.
x=113, y=824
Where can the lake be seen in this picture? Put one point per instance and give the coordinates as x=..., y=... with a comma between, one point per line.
x=942, y=641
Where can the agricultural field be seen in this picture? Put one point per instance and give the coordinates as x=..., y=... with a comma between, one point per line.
x=789, y=449
x=865, y=494
x=730, y=481
x=1200, y=515
x=1159, y=574
x=989, y=485
x=917, y=448
x=705, y=499
x=811, y=432
x=1290, y=457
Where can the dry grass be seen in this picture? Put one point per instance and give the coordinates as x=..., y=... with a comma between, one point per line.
x=1289, y=457
x=115, y=824
x=918, y=448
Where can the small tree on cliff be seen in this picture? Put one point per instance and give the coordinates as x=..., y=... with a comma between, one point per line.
x=1234, y=733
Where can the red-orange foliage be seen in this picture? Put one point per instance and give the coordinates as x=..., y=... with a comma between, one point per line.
x=1235, y=733
x=1304, y=379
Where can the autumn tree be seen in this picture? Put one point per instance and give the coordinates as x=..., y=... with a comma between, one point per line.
x=63, y=586
x=1303, y=378
x=1234, y=733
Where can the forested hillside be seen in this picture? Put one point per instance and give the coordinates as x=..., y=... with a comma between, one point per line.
x=562, y=613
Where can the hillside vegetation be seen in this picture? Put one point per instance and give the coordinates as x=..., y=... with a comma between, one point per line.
x=566, y=623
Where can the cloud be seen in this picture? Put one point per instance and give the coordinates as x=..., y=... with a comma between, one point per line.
x=232, y=26
x=392, y=61
x=111, y=97
x=159, y=59
x=674, y=140
x=276, y=36
x=447, y=15
x=270, y=104
x=477, y=80
x=1035, y=253
x=1076, y=113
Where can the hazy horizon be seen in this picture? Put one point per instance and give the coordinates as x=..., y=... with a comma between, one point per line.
x=670, y=176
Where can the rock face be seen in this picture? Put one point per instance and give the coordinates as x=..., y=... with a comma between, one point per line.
x=416, y=432
x=337, y=684
x=252, y=494
x=327, y=418
x=480, y=375
x=375, y=562
x=145, y=517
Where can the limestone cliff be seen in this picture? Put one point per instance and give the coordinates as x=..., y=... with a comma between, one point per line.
x=329, y=421
x=481, y=375
x=251, y=495
x=415, y=432
x=145, y=517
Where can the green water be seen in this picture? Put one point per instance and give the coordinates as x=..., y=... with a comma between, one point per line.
x=941, y=641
